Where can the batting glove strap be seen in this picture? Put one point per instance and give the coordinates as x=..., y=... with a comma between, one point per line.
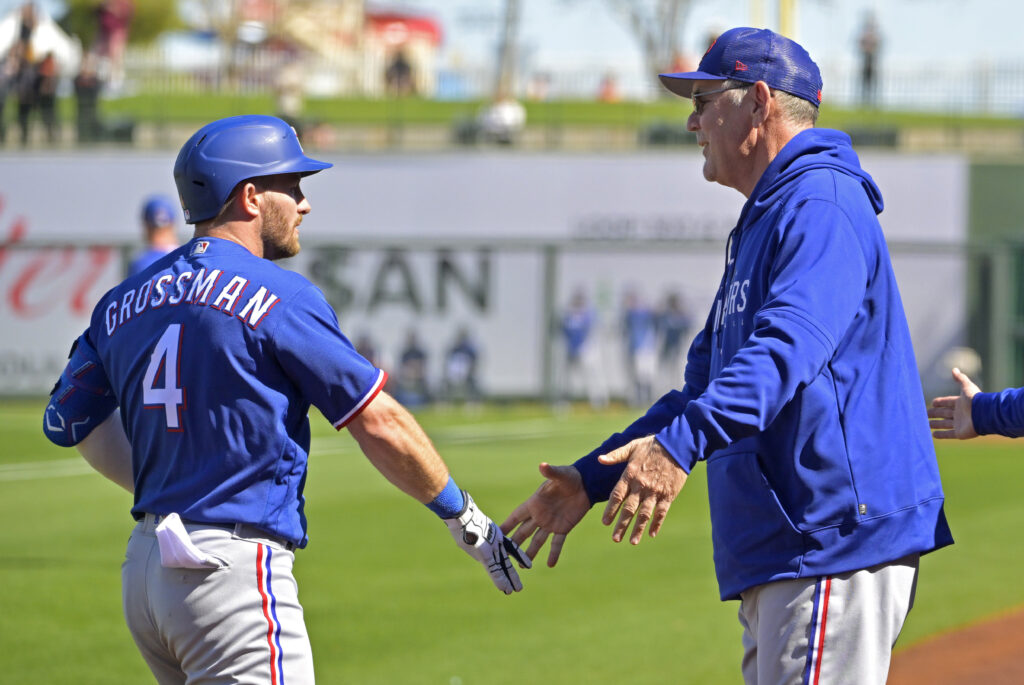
x=477, y=534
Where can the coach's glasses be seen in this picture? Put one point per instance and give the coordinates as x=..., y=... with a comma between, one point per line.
x=699, y=103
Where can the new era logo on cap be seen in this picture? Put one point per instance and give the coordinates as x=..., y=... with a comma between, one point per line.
x=751, y=55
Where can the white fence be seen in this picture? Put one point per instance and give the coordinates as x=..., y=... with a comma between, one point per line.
x=980, y=87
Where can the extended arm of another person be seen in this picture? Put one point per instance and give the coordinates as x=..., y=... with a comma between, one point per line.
x=82, y=413
x=973, y=413
x=396, y=445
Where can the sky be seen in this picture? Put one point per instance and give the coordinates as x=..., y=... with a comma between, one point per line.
x=581, y=32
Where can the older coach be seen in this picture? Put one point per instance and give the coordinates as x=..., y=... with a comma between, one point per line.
x=801, y=392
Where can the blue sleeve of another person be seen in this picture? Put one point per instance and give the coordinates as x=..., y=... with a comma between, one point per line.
x=999, y=413
x=322, y=362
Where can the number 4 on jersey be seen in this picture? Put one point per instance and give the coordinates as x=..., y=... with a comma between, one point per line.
x=164, y=366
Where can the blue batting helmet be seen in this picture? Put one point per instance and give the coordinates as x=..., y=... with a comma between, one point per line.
x=158, y=210
x=228, y=151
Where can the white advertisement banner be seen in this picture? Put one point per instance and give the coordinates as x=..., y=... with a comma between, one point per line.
x=440, y=243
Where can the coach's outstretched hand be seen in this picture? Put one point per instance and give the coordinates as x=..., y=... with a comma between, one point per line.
x=646, y=489
x=476, y=533
x=558, y=505
x=951, y=416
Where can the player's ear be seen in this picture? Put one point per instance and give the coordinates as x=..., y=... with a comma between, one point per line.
x=248, y=199
x=763, y=102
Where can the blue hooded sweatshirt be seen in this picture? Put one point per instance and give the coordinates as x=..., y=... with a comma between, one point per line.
x=801, y=392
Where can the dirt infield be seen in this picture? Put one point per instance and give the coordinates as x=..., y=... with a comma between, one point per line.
x=989, y=653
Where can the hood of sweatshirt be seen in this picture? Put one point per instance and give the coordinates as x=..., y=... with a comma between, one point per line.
x=814, y=148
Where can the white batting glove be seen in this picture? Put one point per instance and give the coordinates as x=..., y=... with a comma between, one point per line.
x=483, y=540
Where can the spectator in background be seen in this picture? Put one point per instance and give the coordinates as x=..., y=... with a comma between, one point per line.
x=46, y=96
x=398, y=77
x=113, y=20
x=411, y=388
x=8, y=83
x=640, y=339
x=869, y=42
x=88, y=85
x=367, y=347
x=608, y=89
x=160, y=232
x=25, y=82
x=582, y=356
x=460, y=370
x=674, y=324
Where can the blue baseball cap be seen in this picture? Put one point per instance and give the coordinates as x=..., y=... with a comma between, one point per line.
x=751, y=55
x=158, y=210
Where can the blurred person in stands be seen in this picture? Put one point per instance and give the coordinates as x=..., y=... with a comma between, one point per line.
x=608, y=89
x=869, y=43
x=8, y=84
x=398, y=77
x=46, y=96
x=674, y=322
x=410, y=382
x=640, y=340
x=578, y=326
x=87, y=85
x=160, y=232
x=113, y=20
x=460, y=370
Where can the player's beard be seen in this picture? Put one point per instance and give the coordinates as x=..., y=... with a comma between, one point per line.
x=280, y=234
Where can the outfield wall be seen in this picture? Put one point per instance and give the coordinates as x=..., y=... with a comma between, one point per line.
x=492, y=242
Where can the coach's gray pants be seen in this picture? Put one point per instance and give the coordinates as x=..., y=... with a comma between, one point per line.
x=838, y=630
x=240, y=622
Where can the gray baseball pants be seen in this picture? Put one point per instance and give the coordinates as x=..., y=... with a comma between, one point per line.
x=837, y=629
x=238, y=621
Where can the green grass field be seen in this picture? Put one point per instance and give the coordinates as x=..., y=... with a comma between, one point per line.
x=199, y=108
x=389, y=598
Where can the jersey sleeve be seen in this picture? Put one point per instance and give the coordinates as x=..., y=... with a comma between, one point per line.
x=999, y=413
x=321, y=361
x=81, y=399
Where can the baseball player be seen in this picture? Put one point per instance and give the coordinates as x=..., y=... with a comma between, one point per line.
x=191, y=388
x=160, y=232
x=801, y=393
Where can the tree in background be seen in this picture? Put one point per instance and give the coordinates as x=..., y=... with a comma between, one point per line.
x=150, y=18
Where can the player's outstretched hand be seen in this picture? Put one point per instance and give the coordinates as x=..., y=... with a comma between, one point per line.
x=951, y=416
x=477, y=534
x=648, y=486
x=558, y=505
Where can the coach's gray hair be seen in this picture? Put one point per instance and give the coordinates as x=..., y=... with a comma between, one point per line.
x=795, y=109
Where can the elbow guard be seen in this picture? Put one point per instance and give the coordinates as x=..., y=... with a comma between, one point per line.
x=81, y=399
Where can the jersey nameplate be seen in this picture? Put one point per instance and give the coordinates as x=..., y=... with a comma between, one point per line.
x=196, y=288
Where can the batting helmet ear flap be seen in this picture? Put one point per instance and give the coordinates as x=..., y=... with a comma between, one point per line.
x=228, y=151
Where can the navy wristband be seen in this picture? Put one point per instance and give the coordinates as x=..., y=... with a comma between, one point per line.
x=450, y=502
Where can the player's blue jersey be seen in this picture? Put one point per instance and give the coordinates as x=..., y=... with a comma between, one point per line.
x=215, y=358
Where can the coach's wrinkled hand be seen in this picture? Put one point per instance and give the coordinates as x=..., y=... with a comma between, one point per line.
x=648, y=486
x=483, y=540
x=553, y=510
